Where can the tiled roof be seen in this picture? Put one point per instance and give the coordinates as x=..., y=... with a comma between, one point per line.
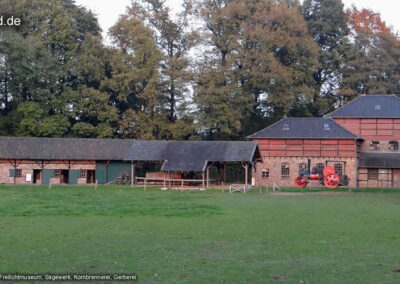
x=304, y=128
x=369, y=106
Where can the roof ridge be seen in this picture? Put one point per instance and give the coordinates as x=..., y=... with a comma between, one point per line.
x=276, y=122
x=348, y=103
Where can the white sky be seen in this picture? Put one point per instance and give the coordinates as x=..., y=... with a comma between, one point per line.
x=109, y=11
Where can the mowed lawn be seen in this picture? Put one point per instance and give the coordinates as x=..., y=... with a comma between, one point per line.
x=201, y=237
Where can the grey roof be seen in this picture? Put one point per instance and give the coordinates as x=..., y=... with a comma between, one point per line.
x=369, y=106
x=379, y=160
x=35, y=148
x=191, y=155
x=304, y=128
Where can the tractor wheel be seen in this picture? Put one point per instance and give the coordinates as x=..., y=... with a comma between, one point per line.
x=331, y=180
x=301, y=182
x=328, y=170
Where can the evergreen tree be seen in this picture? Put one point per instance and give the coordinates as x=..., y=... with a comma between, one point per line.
x=327, y=23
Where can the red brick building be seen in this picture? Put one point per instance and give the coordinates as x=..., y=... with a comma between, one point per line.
x=359, y=140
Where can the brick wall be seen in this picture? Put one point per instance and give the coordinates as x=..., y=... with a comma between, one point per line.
x=344, y=148
x=273, y=164
x=383, y=146
x=28, y=166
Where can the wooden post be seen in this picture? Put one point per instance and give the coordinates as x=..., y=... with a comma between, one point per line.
x=208, y=176
x=202, y=175
x=144, y=188
x=50, y=184
x=219, y=174
x=132, y=173
x=169, y=181
x=95, y=184
x=246, y=174
x=224, y=173
x=107, y=164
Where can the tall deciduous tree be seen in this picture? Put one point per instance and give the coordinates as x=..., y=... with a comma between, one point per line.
x=134, y=77
x=372, y=63
x=258, y=65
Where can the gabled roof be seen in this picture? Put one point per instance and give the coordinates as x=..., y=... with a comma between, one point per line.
x=192, y=155
x=305, y=128
x=379, y=160
x=36, y=148
x=369, y=106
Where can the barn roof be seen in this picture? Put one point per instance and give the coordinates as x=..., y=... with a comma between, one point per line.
x=192, y=155
x=369, y=106
x=176, y=155
x=379, y=160
x=36, y=148
x=304, y=128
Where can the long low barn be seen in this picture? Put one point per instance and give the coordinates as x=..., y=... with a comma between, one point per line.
x=29, y=160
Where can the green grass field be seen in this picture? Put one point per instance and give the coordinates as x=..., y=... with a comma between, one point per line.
x=201, y=237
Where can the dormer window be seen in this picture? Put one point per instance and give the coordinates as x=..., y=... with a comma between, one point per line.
x=285, y=126
x=377, y=107
x=326, y=126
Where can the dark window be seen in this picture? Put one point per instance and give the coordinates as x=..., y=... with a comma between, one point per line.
x=338, y=169
x=265, y=173
x=57, y=173
x=394, y=145
x=373, y=174
x=83, y=174
x=18, y=173
x=374, y=145
x=285, y=170
x=320, y=167
x=302, y=167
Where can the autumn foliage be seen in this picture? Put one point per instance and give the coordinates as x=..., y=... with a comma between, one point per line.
x=366, y=20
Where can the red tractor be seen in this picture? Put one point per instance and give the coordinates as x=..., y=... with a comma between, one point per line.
x=328, y=177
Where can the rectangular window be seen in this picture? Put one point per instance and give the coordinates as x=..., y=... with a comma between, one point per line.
x=372, y=174
x=57, y=173
x=83, y=174
x=18, y=173
x=265, y=173
x=285, y=171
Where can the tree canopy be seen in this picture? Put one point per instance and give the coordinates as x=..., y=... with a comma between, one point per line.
x=218, y=69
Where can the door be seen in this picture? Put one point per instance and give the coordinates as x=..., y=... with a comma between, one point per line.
x=90, y=176
x=64, y=176
x=37, y=174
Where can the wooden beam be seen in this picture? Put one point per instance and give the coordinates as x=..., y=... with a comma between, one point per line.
x=246, y=173
x=132, y=173
x=208, y=177
x=202, y=175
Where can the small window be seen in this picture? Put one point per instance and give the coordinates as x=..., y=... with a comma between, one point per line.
x=326, y=126
x=377, y=107
x=18, y=173
x=338, y=169
x=265, y=173
x=394, y=145
x=83, y=174
x=57, y=173
x=285, y=171
x=320, y=168
x=374, y=145
x=302, y=167
x=285, y=126
x=372, y=174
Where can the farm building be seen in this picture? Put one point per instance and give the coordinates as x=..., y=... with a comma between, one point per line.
x=28, y=160
x=360, y=140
